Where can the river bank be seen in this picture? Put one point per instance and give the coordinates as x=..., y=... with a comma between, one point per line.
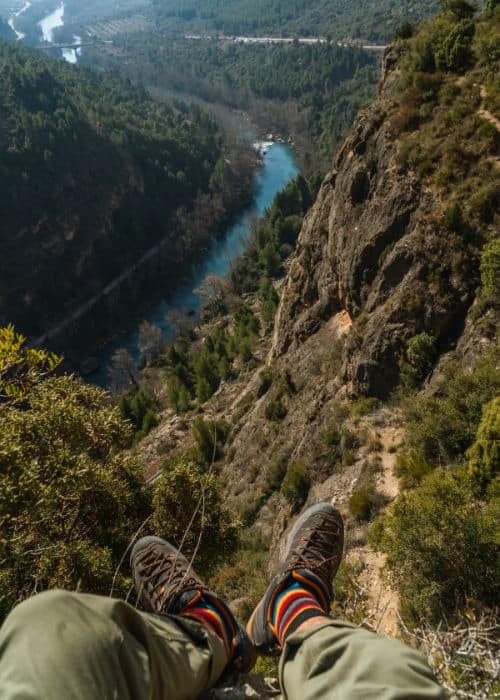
x=124, y=299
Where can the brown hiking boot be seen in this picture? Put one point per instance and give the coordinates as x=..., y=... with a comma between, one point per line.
x=313, y=557
x=165, y=582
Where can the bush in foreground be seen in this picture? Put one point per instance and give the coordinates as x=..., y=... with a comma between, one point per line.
x=440, y=545
x=189, y=510
x=70, y=496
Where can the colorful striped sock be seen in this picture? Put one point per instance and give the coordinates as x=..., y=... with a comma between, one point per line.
x=205, y=612
x=293, y=606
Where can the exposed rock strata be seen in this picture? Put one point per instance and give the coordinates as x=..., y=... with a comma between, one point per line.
x=373, y=246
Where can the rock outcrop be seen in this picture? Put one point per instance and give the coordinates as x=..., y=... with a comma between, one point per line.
x=373, y=246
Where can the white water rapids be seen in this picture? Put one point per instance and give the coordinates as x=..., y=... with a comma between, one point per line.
x=19, y=35
x=50, y=23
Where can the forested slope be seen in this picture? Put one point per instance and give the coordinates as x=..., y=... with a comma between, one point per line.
x=312, y=92
x=5, y=30
x=92, y=173
x=340, y=18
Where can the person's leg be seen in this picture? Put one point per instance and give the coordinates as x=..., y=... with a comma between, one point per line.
x=85, y=647
x=323, y=658
x=339, y=660
x=78, y=647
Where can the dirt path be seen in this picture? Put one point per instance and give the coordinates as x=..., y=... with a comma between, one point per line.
x=485, y=114
x=383, y=603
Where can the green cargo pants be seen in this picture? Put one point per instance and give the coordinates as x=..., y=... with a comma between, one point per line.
x=70, y=646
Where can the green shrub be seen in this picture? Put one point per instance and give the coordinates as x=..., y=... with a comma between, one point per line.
x=484, y=455
x=275, y=410
x=149, y=422
x=296, y=484
x=490, y=139
x=412, y=468
x=490, y=267
x=194, y=372
x=244, y=576
x=484, y=203
x=245, y=349
x=454, y=218
x=361, y=504
x=454, y=51
x=243, y=406
x=444, y=44
x=252, y=508
x=421, y=353
x=349, y=601
x=266, y=666
x=440, y=546
x=139, y=408
x=276, y=471
x=348, y=458
x=414, y=306
x=350, y=439
x=364, y=405
x=404, y=31
x=332, y=439
x=177, y=503
x=210, y=437
x=203, y=389
x=443, y=426
x=269, y=301
x=419, y=360
x=266, y=379
x=70, y=492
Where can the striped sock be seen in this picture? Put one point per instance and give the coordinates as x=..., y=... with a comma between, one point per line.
x=205, y=612
x=293, y=606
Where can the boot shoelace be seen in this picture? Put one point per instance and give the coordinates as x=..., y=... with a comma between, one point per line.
x=311, y=548
x=163, y=576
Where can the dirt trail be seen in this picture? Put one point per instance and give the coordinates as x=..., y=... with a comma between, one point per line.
x=489, y=117
x=383, y=603
x=485, y=114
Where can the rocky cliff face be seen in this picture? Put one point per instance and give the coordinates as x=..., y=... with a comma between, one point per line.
x=373, y=246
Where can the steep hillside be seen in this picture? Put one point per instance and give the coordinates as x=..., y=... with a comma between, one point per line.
x=93, y=173
x=391, y=268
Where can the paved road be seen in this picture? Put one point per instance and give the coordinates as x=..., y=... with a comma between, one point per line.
x=283, y=40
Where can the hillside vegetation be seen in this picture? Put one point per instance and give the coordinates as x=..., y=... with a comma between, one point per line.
x=311, y=92
x=377, y=386
x=5, y=31
x=339, y=18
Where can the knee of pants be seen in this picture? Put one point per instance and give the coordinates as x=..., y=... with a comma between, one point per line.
x=40, y=608
x=44, y=619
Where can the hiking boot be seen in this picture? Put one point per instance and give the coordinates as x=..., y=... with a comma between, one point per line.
x=313, y=556
x=165, y=582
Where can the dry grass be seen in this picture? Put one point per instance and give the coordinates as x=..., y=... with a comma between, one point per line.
x=465, y=657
